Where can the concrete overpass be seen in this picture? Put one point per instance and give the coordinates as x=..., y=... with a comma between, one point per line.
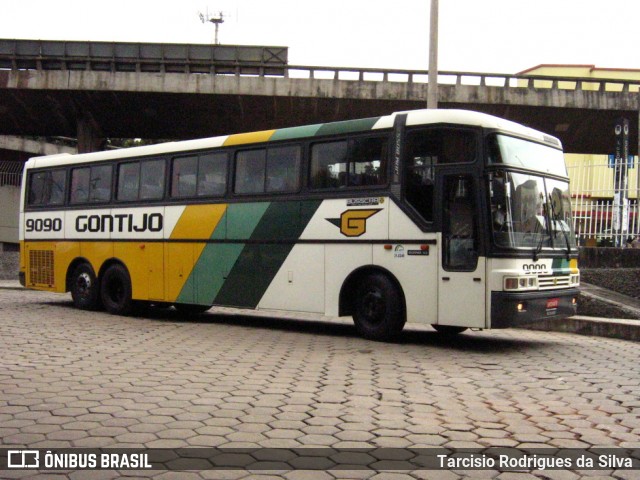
x=176, y=101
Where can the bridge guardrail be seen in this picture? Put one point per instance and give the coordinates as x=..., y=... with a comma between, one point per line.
x=142, y=57
x=258, y=61
x=466, y=78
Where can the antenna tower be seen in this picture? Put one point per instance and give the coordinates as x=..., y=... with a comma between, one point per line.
x=217, y=20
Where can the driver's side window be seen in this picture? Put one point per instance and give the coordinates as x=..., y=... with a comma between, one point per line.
x=425, y=149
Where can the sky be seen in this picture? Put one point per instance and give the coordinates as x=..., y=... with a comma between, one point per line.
x=492, y=36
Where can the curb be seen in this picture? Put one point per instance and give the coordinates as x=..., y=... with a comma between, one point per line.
x=593, y=326
x=10, y=285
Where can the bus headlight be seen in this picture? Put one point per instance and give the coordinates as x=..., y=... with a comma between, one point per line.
x=574, y=280
x=520, y=283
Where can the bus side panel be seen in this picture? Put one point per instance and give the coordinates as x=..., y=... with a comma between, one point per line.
x=179, y=263
x=47, y=263
x=415, y=266
x=198, y=224
x=132, y=255
x=271, y=231
x=299, y=284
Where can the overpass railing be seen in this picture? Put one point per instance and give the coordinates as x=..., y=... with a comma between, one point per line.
x=142, y=57
x=258, y=61
x=466, y=78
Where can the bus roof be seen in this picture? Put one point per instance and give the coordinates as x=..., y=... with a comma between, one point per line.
x=414, y=117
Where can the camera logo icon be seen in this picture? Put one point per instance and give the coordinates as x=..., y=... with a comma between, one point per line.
x=23, y=459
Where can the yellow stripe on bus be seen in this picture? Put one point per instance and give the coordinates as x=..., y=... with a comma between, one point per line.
x=197, y=222
x=573, y=265
x=253, y=137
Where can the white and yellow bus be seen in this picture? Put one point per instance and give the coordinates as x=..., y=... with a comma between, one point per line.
x=444, y=217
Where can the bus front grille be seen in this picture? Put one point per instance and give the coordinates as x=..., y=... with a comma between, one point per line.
x=41, y=267
x=547, y=282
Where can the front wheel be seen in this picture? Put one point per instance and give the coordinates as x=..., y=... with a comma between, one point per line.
x=378, y=308
x=85, y=291
x=115, y=290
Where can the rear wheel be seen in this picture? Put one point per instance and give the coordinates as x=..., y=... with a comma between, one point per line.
x=85, y=291
x=115, y=290
x=378, y=308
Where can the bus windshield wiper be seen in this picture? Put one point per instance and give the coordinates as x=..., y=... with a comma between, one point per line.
x=538, y=249
x=555, y=218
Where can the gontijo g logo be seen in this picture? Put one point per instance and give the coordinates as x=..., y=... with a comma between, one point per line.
x=353, y=223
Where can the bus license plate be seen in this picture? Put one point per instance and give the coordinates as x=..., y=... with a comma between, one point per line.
x=552, y=305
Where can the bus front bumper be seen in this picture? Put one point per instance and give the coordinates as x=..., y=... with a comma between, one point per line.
x=512, y=309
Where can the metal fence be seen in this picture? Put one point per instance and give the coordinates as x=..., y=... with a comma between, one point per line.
x=604, y=215
x=11, y=173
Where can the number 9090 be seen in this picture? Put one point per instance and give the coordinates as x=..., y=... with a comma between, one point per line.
x=43, y=224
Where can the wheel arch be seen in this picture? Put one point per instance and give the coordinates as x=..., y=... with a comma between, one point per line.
x=109, y=262
x=350, y=285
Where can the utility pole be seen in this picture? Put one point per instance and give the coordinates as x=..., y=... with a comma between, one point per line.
x=432, y=92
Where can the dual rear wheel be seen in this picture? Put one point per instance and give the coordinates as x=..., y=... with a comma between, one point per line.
x=112, y=291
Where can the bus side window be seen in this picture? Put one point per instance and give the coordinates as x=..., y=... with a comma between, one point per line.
x=283, y=169
x=183, y=177
x=80, y=179
x=152, y=179
x=100, y=183
x=91, y=184
x=47, y=188
x=368, y=161
x=359, y=162
x=328, y=164
x=427, y=148
x=212, y=174
x=128, y=181
x=56, y=187
x=420, y=160
x=250, y=171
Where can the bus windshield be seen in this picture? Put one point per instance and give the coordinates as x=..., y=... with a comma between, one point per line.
x=530, y=211
x=521, y=153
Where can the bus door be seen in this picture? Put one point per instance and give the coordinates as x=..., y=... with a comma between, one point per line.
x=461, y=279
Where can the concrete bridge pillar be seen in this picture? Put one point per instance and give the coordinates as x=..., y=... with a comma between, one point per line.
x=90, y=136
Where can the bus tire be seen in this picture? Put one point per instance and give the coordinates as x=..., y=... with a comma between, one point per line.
x=115, y=290
x=448, y=329
x=378, y=308
x=84, y=287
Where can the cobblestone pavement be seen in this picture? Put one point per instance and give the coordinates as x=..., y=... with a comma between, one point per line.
x=76, y=379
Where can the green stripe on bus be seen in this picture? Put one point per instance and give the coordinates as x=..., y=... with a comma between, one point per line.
x=559, y=265
x=348, y=126
x=258, y=263
x=333, y=128
x=217, y=259
x=295, y=132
